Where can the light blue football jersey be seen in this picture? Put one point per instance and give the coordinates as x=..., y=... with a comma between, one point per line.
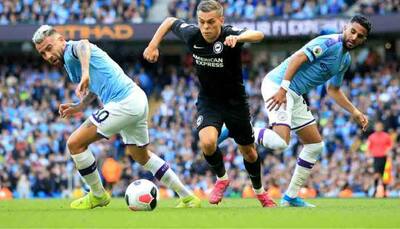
x=106, y=78
x=327, y=61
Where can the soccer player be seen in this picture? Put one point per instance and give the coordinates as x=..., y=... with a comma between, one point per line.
x=324, y=59
x=125, y=112
x=216, y=52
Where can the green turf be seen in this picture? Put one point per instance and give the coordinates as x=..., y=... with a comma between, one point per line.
x=232, y=213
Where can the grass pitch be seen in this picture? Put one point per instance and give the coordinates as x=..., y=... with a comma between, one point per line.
x=231, y=213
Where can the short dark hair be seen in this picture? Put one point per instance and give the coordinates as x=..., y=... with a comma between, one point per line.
x=363, y=21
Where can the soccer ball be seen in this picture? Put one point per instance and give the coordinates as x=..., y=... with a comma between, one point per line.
x=142, y=195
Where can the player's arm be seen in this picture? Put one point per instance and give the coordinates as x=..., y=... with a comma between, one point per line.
x=82, y=50
x=368, y=148
x=66, y=110
x=246, y=36
x=151, y=53
x=340, y=98
x=295, y=62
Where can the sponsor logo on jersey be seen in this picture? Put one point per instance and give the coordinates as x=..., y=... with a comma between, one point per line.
x=183, y=25
x=218, y=47
x=209, y=62
x=198, y=47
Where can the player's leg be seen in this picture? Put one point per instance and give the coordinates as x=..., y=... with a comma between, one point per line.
x=209, y=123
x=306, y=160
x=85, y=162
x=379, y=169
x=303, y=122
x=237, y=120
x=252, y=163
x=162, y=171
x=109, y=120
x=277, y=135
x=136, y=137
x=214, y=158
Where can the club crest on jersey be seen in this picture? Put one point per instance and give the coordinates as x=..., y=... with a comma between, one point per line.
x=317, y=50
x=218, y=47
x=199, y=120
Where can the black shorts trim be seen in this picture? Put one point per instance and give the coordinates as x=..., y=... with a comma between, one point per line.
x=305, y=124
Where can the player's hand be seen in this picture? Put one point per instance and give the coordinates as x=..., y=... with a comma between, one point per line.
x=231, y=41
x=83, y=87
x=361, y=119
x=277, y=100
x=66, y=110
x=151, y=54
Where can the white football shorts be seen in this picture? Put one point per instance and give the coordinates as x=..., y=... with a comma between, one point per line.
x=127, y=117
x=296, y=115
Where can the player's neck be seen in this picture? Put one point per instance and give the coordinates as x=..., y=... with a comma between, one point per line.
x=63, y=51
x=213, y=39
x=342, y=39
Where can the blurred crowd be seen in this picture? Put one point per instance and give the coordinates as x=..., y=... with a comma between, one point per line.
x=73, y=11
x=125, y=11
x=34, y=161
x=381, y=7
x=266, y=9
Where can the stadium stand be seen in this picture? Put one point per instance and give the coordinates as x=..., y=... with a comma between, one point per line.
x=33, y=157
x=264, y=9
x=34, y=161
x=73, y=11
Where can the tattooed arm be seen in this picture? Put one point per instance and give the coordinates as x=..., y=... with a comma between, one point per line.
x=68, y=109
x=82, y=51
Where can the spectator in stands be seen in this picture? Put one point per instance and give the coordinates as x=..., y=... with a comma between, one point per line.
x=33, y=137
x=74, y=11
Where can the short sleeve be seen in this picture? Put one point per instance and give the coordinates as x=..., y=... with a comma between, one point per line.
x=235, y=31
x=184, y=30
x=232, y=30
x=315, y=49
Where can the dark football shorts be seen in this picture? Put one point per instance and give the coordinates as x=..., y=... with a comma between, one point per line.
x=379, y=164
x=235, y=114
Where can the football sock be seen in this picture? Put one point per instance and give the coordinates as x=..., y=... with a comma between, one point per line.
x=161, y=170
x=305, y=162
x=259, y=191
x=269, y=138
x=224, y=177
x=254, y=171
x=86, y=165
x=216, y=163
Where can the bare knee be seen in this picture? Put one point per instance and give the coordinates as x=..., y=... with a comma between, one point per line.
x=208, y=145
x=283, y=132
x=75, y=146
x=139, y=154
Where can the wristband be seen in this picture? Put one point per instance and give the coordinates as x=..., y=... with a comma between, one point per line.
x=285, y=84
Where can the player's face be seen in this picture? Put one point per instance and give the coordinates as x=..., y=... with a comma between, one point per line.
x=354, y=35
x=210, y=24
x=52, y=49
x=378, y=126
